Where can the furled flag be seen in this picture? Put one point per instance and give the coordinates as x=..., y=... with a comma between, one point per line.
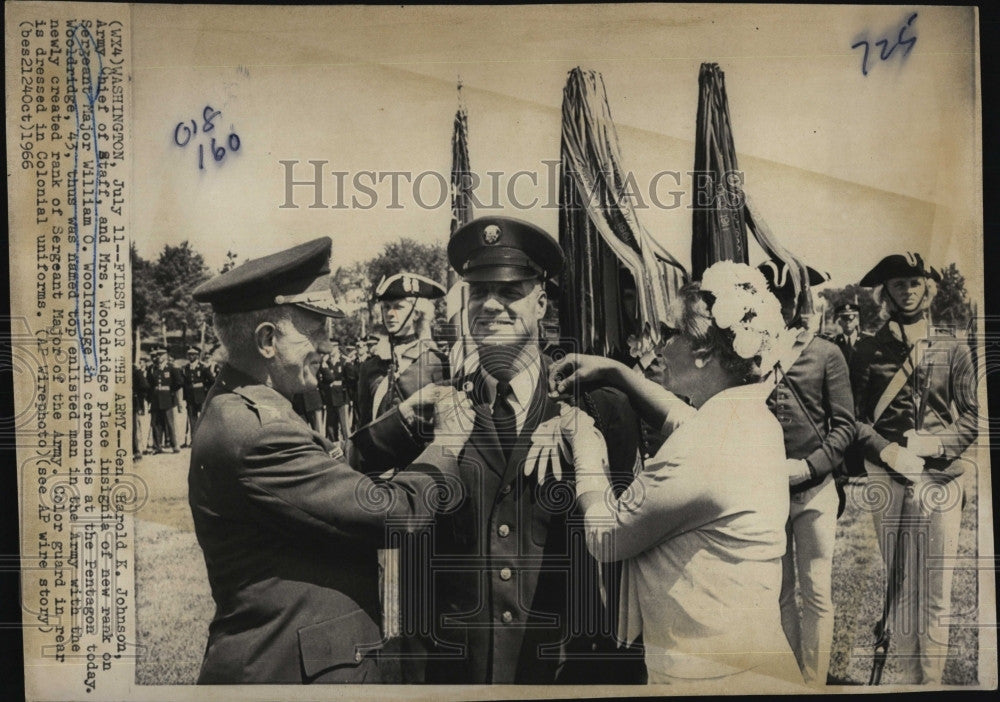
x=723, y=211
x=463, y=357
x=461, y=171
x=618, y=279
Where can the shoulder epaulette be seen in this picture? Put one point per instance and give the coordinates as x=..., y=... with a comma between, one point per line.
x=262, y=400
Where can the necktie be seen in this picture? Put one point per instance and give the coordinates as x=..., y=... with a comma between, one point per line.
x=504, y=419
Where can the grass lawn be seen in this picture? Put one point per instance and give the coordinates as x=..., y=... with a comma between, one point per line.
x=174, y=604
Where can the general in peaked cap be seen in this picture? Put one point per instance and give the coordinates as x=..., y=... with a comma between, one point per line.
x=908, y=265
x=297, y=276
x=503, y=250
x=403, y=285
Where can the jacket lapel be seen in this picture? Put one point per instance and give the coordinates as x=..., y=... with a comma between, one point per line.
x=484, y=434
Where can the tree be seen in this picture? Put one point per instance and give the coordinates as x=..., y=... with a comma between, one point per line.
x=408, y=255
x=951, y=306
x=230, y=263
x=147, y=298
x=179, y=270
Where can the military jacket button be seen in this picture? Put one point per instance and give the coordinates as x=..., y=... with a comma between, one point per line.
x=505, y=573
x=503, y=530
x=358, y=656
x=507, y=617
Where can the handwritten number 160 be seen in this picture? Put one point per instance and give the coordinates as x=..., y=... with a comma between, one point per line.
x=183, y=135
x=218, y=152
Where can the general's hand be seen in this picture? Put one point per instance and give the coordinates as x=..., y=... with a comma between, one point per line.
x=422, y=402
x=576, y=369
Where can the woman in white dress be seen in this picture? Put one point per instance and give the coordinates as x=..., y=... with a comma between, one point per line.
x=702, y=527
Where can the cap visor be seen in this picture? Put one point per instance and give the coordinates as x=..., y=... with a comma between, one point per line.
x=500, y=274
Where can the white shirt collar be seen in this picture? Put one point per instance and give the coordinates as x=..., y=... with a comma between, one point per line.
x=522, y=387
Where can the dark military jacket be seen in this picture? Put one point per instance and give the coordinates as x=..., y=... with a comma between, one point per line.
x=289, y=529
x=163, y=385
x=350, y=370
x=845, y=346
x=821, y=428
x=140, y=389
x=331, y=384
x=939, y=397
x=197, y=381
x=515, y=592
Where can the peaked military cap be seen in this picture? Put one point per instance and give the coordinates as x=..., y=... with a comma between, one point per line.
x=372, y=339
x=908, y=265
x=157, y=351
x=503, y=249
x=779, y=277
x=193, y=350
x=846, y=308
x=403, y=285
x=297, y=276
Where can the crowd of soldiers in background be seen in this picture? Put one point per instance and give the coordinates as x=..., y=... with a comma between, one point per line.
x=168, y=394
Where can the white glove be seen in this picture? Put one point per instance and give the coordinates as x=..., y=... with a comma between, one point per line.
x=902, y=460
x=545, y=450
x=798, y=470
x=923, y=444
x=573, y=437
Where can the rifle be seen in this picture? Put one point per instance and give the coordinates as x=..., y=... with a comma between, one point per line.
x=894, y=583
x=896, y=573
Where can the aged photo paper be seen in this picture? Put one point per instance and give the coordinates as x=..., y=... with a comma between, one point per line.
x=153, y=147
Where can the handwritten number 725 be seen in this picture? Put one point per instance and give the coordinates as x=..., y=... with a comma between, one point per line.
x=886, y=51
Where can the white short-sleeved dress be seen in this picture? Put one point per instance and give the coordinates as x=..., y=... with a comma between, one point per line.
x=702, y=531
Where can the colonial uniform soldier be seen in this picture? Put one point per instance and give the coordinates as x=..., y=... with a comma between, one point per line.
x=848, y=316
x=140, y=411
x=289, y=529
x=197, y=381
x=515, y=596
x=915, y=399
x=165, y=385
x=812, y=401
x=407, y=306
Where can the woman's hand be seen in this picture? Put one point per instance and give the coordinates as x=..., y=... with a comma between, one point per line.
x=579, y=369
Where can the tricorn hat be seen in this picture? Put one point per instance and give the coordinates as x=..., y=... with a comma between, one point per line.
x=908, y=265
